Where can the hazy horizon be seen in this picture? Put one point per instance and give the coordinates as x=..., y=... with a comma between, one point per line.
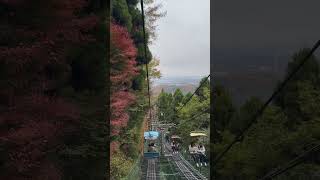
x=177, y=80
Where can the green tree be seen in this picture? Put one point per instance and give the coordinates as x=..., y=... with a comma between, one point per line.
x=195, y=115
x=303, y=87
x=177, y=100
x=120, y=13
x=245, y=114
x=223, y=109
x=205, y=84
x=285, y=130
x=165, y=111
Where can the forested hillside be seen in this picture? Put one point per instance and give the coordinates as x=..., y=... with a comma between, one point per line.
x=194, y=116
x=128, y=80
x=288, y=128
x=53, y=69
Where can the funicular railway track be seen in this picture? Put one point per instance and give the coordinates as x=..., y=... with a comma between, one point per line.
x=186, y=170
x=151, y=166
x=151, y=170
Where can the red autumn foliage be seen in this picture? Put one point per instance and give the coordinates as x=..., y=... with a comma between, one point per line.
x=37, y=124
x=114, y=147
x=123, y=70
x=122, y=59
x=33, y=123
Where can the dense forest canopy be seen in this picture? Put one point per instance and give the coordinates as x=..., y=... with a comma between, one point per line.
x=193, y=116
x=53, y=77
x=289, y=127
x=128, y=80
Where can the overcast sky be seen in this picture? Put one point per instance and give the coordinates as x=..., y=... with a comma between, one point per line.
x=240, y=28
x=183, y=43
x=263, y=27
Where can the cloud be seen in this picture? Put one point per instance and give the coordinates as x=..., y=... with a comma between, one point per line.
x=183, y=43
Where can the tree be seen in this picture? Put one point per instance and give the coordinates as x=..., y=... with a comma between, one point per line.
x=195, y=115
x=186, y=97
x=152, y=14
x=205, y=84
x=165, y=111
x=122, y=71
x=245, y=115
x=129, y=86
x=37, y=118
x=285, y=130
x=223, y=109
x=260, y=150
x=153, y=68
x=310, y=70
x=177, y=100
x=120, y=13
x=303, y=84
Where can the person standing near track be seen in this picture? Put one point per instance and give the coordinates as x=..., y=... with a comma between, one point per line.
x=152, y=147
x=202, y=155
x=193, y=150
x=173, y=144
x=177, y=147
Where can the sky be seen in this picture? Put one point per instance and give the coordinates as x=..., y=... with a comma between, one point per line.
x=183, y=42
x=262, y=27
x=246, y=28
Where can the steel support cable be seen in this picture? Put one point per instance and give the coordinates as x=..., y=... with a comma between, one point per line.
x=193, y=95
x=261, y=110
x=294, y=162
x=194, y=92
x=203, y=112
x=197, y=115
x=145, y=56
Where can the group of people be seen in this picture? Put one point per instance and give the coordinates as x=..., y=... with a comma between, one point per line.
x=197, y=151
x=175, y=146
x=198, y=154
x=152, y=147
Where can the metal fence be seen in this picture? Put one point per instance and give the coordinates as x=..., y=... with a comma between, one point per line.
x=135, y=173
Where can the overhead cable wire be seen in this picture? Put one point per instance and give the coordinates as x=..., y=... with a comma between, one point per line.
x=197, y=115
x=239, y=137
x=194, y=92
x=291, y=164
x=145, y=57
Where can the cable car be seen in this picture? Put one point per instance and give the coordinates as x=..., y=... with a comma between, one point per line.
x=198, y=134
x=151, y=144
x=175, y=143
x=198, y=157
x=175, y=137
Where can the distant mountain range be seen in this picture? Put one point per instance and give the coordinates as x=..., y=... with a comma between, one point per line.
x=170, y=84
x=244, y=85
x=248, y=75
x=259, y=82
x=178, y=80
x=171, y=88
